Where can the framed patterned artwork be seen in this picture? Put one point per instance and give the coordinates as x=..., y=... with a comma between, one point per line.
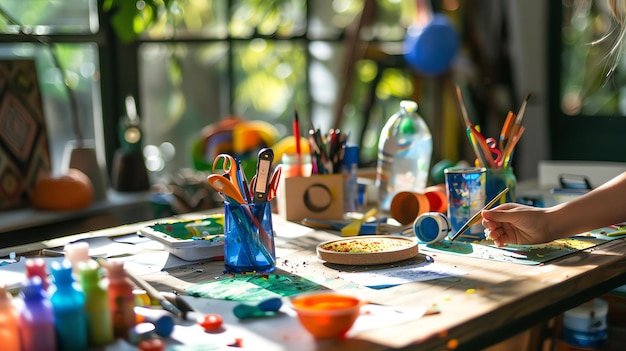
x=24, y=150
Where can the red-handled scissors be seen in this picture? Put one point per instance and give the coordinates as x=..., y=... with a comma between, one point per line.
x=272, y=186
x=492, y=144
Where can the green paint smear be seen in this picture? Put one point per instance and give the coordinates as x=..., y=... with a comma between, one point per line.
x=453, y=247
x=207, y=228
x=254, y=288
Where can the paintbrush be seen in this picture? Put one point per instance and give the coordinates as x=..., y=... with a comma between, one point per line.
x=476, y=217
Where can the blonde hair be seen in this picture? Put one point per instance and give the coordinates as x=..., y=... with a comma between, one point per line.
x=618, y=11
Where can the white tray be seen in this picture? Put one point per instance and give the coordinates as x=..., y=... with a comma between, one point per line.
x=182, y=243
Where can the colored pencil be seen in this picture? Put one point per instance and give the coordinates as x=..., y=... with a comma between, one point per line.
x=296, y=133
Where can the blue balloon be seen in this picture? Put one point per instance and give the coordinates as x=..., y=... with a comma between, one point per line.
x=431, y=50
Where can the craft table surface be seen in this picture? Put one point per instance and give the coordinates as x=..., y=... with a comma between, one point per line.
x=506, y=297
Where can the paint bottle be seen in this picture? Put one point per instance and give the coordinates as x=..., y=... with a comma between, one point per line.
x=68, y=304
x=121, y=299
x=9, y=322
x=585, y=326
x=36, y=267
x=99, y=324
x=36, y=318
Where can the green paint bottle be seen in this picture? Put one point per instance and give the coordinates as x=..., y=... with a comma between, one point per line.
x=99, y=323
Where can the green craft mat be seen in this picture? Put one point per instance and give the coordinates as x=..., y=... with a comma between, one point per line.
x=522, y=254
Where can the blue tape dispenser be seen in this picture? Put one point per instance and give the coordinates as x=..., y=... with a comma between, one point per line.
x=431, y=227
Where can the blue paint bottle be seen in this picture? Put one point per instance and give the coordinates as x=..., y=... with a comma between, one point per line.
x=36, y=318
x=68, y=304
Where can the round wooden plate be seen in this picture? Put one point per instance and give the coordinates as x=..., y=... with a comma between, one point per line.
x=367, y=250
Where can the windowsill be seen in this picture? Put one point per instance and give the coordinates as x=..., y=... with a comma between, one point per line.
x=24, y=225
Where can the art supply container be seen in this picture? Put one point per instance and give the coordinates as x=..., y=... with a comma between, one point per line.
x=326, y=315
x=585, y=326
x=497, y=180
x=431, y=227
x=249, y=238
x=466, y=190
x=294, y=165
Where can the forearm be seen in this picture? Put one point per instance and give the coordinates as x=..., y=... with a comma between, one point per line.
x=601, y=207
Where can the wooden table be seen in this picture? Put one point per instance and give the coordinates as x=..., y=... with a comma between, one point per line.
x=493, y=301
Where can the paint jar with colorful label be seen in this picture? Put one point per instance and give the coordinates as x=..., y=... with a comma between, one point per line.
x=585, y=326
x=249, y=238
x=466, y=192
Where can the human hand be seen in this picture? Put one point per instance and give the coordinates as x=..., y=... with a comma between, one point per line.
x=513, y=223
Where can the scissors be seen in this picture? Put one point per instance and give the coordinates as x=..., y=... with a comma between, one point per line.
x=224, y=186
x=230, y=169
x=272, y=185
x=492, y=144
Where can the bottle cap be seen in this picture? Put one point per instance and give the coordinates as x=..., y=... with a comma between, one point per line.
x=89, y=272
x=408, y=105
x=115, y=270
x=431, y=227
x=61, y=272
x=32, y=288
x=78, y=251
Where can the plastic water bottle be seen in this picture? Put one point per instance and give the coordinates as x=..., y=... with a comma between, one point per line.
x=405, y=148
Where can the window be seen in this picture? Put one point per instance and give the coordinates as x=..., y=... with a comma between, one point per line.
x=196, y=62
x=71, y=27
x=587, y=108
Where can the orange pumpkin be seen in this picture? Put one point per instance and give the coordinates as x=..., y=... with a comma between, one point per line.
x=70, y=191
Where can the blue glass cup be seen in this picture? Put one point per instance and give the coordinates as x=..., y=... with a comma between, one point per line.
x=497, y=180
x=249, y=238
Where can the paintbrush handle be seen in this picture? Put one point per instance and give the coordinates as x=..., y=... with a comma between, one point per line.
x=478, y=215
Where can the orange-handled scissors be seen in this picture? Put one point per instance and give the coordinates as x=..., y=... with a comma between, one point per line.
x=225, y=187
x=229, y=169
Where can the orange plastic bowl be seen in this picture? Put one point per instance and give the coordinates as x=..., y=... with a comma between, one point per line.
x=326, y=315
